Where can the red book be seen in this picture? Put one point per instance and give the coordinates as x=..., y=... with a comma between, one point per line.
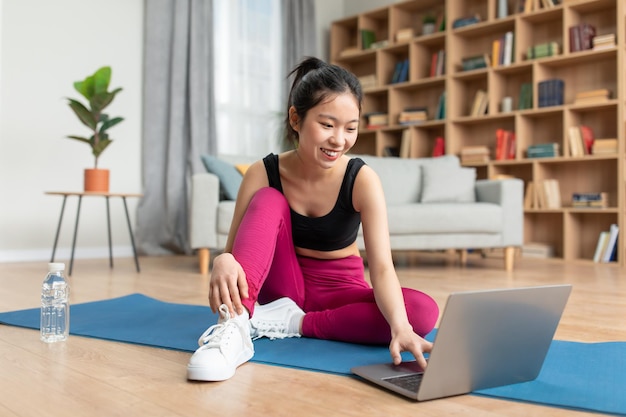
x=433, y=65
x=439, y=149
x=511, y=145
x=588, y=138
x=501, y=149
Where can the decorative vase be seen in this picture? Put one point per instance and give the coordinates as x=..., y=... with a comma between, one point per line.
x=96, y=180
x=428, y=28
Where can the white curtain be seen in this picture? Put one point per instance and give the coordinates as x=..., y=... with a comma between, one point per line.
x=248, y=76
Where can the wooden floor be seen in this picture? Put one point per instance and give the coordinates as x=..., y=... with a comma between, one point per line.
x=88, y=377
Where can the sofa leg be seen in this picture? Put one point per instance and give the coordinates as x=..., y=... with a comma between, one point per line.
x=509, y=258
x=203, y=260
x=463, y=256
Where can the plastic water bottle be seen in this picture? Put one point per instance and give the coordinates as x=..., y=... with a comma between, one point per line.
x=55, y=305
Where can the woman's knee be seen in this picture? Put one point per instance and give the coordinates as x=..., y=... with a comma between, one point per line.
x=422, y=310
x=269, y=200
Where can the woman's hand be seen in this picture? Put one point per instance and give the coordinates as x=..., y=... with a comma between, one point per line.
x=406, y=340
x=228, y=284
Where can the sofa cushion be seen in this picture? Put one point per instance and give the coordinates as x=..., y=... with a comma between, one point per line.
x=225, y=213
x=230, y=178
x=441, y=218
x=441, y=184
x=401, y=178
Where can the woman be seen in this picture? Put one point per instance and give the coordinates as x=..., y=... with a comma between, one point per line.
x=292, y=242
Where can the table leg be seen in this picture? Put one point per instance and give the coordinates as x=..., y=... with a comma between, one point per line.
x=56, y=237
x=80, y=199
x=130, y=231
x=109, y=231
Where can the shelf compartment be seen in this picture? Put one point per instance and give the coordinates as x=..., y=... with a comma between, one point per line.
x=545, y=227
x=477, y=133
x=602, y=119
x=583, y=229
x=574, y=176
x=411, y=15
x=345, y=35
x=365, y=144
x=539, y=127
x=415, y=95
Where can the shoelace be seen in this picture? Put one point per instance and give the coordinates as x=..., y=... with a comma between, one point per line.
x=272, y=330
x=213, y=336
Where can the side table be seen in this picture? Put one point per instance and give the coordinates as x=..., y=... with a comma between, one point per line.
x=80, y=196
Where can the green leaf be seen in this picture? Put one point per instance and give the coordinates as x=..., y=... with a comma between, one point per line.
x=109, y=123
x=80, y=138
x=102, y=145
x=102, y=77
x=85, y=87
x=101, y=100
x=83, y=114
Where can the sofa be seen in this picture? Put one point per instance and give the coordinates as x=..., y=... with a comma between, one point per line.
x=432, y=203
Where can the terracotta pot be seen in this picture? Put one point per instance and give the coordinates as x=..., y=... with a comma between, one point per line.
x=97, y=180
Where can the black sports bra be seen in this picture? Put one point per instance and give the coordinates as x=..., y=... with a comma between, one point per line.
x=337, y=229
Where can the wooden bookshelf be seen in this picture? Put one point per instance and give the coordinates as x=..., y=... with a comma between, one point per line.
x=572, y=232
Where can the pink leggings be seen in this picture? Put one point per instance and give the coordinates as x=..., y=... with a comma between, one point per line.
x=338, y=302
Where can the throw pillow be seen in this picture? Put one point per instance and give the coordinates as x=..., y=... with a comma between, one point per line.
x=446, y=184
x=242, y=168
x=230, y=178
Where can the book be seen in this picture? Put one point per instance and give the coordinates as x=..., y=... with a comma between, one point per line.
x=474, y=155
x=479, y=105
x=439, y=147
x=603, y=239
x=600, y=95
x=551, y=92
x=525, y=100
x=475, y=62
x=537, y=250
x=607, y=254
x=542, y=50
x=543, y=150
x=405, y=35
x=405, y=144
x=413, y=115
x=368, y=81
x=604, y=146
x=466, y=21
x=575, y=141
x=601, y=42
x=587, y=138
x=507, y=58
x=368, y=37
x=529, y=196
x=401, y=72
x=441, y=107
x=376, y=119
x=590, y=200
x=503, y=8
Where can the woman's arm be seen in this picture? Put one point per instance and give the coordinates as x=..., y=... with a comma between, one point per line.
x=369, y=199
x=228, y=283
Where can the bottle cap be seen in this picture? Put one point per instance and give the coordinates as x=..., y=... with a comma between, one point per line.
x=56, y=266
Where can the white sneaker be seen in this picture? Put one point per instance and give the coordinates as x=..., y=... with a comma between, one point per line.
x=276, y=320
x=223, y=347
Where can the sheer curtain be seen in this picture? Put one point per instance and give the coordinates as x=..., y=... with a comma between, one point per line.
x=248, y=76
x=214, y=82
x=178, y=119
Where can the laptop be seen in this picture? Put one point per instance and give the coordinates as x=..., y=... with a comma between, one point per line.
x=485, y=339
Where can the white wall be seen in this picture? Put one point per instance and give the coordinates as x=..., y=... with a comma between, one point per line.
x=45, y=47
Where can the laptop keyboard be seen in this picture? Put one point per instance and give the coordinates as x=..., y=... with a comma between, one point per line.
x=409, y=382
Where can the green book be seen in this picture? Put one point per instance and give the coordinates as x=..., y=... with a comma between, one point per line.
x=368, y=37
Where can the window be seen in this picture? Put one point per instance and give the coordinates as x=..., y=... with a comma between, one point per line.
x=248, y=76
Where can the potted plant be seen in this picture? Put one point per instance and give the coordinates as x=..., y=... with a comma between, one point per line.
x=428, y=24
x=95, y=88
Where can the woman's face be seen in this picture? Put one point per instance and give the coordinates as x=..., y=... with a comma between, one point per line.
x=329, y=129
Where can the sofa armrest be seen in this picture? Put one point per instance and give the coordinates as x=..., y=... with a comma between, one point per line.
x=205, y=197
x=508, y=193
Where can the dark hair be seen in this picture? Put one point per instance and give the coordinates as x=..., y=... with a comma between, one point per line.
x=314, y=82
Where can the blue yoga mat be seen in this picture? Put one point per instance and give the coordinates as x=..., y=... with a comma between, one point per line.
x=585, y=376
